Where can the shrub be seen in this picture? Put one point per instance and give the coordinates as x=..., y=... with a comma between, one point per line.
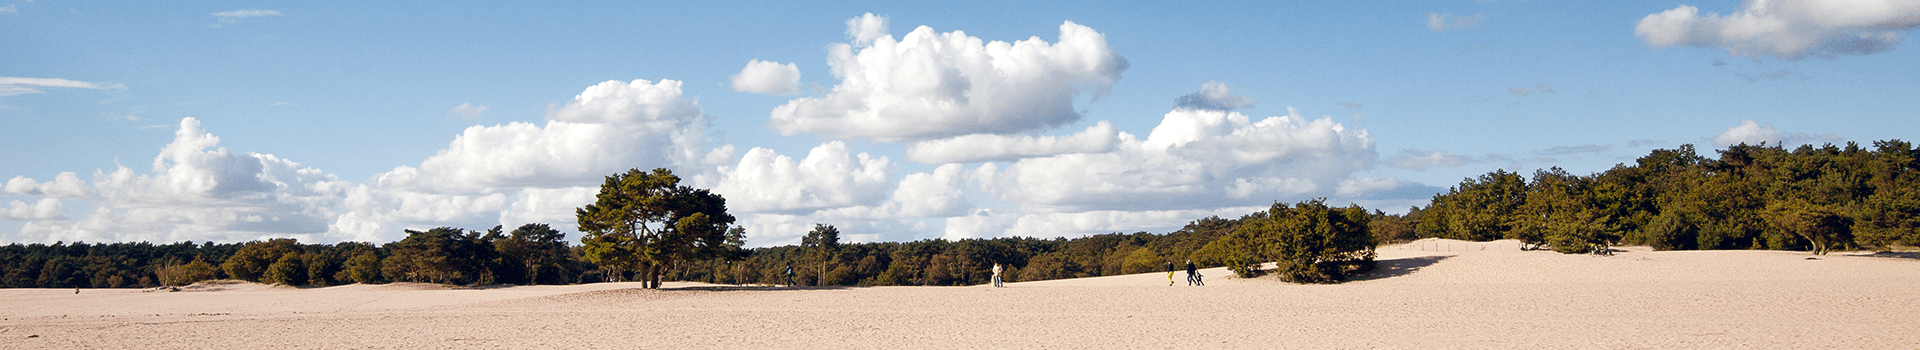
x=189, y=273
x=1310, y=243
x=290, y=270
x=364, y=268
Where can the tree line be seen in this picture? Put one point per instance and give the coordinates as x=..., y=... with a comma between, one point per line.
x=644, y=226
x=1815, y=199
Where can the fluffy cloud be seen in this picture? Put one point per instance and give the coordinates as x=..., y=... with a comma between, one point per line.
x=866, y=28
x=45, y=209
x=609, y=128
x=768, y=78
x=1786, y=29
x=65, y=185
x=509, y=174
x=829, y=177
x=1101, y=137
x=1194, y=159
x=194, y=191
x=1445, y=21
x=936, y=194
x=488, y=175
x=988, y=225
x=929, y=85
x=11, y=86
x=1418, y=160
x=1753, y=133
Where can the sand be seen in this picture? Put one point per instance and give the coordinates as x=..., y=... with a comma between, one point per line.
x=1428, y=294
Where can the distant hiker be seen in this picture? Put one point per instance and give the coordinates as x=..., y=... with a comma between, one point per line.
x=996, y=276
x=789, y=275
x=1169, y=273
x=1193, y=274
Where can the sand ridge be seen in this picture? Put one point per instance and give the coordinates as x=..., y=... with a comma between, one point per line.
x=1421, y=298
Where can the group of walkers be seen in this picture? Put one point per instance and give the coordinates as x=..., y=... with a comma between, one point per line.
x=1193, y=274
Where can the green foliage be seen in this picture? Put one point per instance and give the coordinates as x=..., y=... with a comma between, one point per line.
x=362, y=268
x=821, y=244
x=1673, y=230
x=1309, y=243
x=1391, y=228
x=534, y=254
x=443, y=255
x=645, y=222
x=290, y=270
x=1820, y=225
x=185, y=274
x=251, y=261
x=1479, y=209
x=1750, y=197
x=1143, y=260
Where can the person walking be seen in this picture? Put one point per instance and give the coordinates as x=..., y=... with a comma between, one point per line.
x=789, y=275
x=1193, y=275
x=996, y=277
x=1169, y=273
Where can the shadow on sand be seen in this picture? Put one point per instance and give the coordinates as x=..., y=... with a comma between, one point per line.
x=1399, y=267
x=726, y=288
x=1895, y=255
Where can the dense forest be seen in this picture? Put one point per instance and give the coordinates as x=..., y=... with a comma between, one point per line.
x=1750, y=197
x=1809, y=198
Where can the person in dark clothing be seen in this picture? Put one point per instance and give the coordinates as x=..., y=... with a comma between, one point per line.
x=789, y=276
x=1193, y=275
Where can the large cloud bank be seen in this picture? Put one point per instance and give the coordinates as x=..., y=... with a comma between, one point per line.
x=979, y=118
x=928, y=85
x=488, y=175
x=1786, y=29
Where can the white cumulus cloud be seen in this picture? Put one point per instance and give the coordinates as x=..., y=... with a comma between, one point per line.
x=1194, y=159
x=45, y=209
x=1101, y=137
x=930, y=85
x=829, y=177
x=488, y=175
x=1786, y=29
x=65, y=185
x=768, y=78
x=196, y=191
x=1753, y=133
x=609, y=128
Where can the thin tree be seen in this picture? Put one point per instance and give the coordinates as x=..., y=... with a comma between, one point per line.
x=820, y=244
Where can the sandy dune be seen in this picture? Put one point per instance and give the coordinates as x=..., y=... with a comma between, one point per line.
x=1429, y=294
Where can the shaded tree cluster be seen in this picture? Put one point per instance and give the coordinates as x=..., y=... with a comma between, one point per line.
x=531, y=254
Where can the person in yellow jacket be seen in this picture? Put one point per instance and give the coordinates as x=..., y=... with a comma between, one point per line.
x=1169, y=273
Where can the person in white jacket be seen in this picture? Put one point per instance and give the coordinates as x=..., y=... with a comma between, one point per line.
x=996, y=276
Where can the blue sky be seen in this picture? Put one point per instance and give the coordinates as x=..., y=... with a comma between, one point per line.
x=331, y=122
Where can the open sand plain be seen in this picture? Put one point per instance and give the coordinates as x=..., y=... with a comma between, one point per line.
x=1428, y=294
